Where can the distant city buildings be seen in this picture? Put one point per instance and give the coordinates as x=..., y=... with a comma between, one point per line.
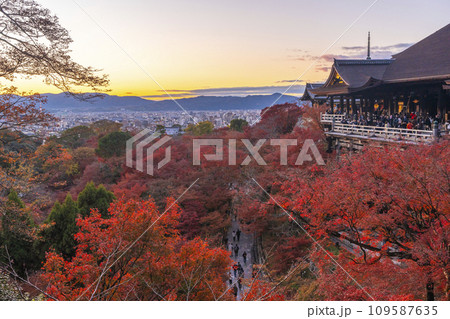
x=174, y=130
x=174, y=122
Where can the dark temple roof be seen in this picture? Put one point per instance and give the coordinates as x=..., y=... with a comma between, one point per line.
x=429, y=58
x=355, y=75
x=308, y=95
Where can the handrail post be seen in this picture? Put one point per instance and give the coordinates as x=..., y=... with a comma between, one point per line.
x=332, y=123
x=435, y=131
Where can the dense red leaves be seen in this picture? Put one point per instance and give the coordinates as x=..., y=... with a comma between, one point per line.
x=279, y=119
x=137, y=254
x=55, y=165
x=382, y=214
x=385, y=206
x=259, y=290
x=19, y=109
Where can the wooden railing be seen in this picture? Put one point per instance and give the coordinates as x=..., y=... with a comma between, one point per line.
x=328, y=118
x=385, y=133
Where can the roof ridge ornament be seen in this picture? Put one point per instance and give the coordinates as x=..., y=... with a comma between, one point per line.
x=368, y=48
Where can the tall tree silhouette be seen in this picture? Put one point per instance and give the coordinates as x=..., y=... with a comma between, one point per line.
x=33, y=43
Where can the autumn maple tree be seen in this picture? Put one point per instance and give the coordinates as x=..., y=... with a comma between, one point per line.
x=384, y=206
x=136, y=254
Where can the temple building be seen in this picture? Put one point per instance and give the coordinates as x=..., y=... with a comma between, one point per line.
x=415, y=80
x=312, y=98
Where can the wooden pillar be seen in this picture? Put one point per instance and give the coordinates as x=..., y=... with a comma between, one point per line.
x=430, y=108
x=395, y=104
x=341, y=103
x=353, y=105
x=441, y=103
x=408, y=103
x=391, y=105
x=446, y=106
x=332, y=104
x=387, y=105
x=347, y=106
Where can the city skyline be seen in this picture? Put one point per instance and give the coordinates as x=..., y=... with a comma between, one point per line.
x=233, y=48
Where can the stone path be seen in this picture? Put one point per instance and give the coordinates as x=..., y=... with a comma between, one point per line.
x=245, y=244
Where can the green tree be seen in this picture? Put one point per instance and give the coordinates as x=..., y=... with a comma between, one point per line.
x=160, y=129
x=76, y=136
x=61, y=227
x=238, y=124
x=201, y=128
x=95, y=197
x=103, y=127
x=18, y=235
x=113, y=144
x=83, y=156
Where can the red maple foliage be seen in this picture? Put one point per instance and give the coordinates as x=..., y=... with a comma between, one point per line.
x=137, y=254
x=385, y=206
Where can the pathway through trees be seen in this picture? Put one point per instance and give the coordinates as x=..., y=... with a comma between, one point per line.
x=245, y=244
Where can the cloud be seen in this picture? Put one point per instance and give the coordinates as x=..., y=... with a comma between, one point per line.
x=355, y=48
x=323, y=63
x=165, y=96
x=301, y=57
x=331, y=57
x=398, y=46
x=377, y=52
x=230, y=91
x=323, y=68
x=292, y=81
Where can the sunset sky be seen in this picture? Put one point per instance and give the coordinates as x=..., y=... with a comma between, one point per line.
x=234, y=47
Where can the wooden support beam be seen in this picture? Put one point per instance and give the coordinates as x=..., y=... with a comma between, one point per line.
x=441, y=103
x=353, y=105
x=371, y=105
x=390, y=105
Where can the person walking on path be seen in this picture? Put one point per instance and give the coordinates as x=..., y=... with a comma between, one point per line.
x=240, y=283
x=238, y=234
x=244, y=256
x=240, y=269
x=235, y=269
x=236, y=250
x=234, y=236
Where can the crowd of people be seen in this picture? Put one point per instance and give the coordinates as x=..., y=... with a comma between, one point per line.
x=413, y=120
x=237, y=272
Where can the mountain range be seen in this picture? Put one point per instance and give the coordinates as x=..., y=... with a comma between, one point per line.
x=63, y=102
